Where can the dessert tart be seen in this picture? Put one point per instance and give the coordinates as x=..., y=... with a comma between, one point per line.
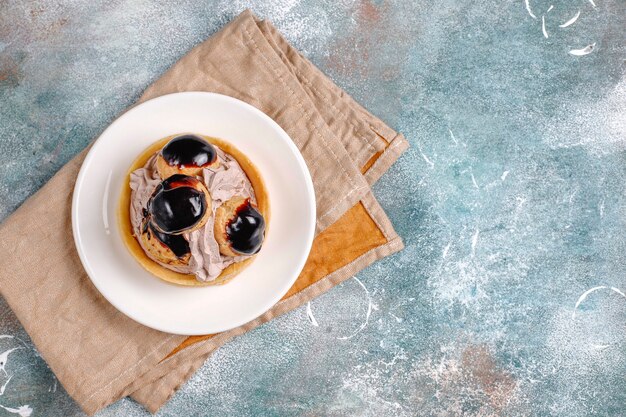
x=194, y=210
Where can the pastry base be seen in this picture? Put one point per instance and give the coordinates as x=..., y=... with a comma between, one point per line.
x=126, y=229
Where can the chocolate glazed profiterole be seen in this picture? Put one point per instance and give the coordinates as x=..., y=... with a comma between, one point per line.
x=187, y=155
x=239, y=227
x=198, y=210
x=179, y=204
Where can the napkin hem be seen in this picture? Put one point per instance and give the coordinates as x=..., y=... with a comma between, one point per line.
x=397, y=146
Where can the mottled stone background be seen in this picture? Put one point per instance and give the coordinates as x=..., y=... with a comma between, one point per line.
x=510, y=200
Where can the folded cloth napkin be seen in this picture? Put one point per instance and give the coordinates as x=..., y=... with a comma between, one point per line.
x=98, y=354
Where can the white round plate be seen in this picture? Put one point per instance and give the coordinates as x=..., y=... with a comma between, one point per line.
x=193, y=310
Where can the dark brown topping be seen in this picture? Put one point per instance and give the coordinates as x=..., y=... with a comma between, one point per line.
x=246, y=230
x=189, y=151
x=176, y=206
x=179, y=180
x=176, y=243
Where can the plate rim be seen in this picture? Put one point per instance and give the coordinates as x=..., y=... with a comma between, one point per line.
x=80, y=178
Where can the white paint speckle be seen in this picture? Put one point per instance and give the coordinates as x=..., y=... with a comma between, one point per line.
x=530, y=12
x=310, y=315
x=367, y=315
x=599, y=347
x=398, y=319
x=428, y=161
x=571, y=21
x=4, y=358
x=584, y=295
x=601, y=208
x=444, y=254
x=583, y=51
x=22, y=411
x=474, y=180
x=4, y=386
x=55, y=384
x=456, y=142
x=475, y=241
x=543, y=27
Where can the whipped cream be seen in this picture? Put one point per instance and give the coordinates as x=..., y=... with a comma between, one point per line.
x=224, y=182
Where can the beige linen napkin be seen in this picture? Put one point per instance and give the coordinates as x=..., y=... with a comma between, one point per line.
x=100, y=355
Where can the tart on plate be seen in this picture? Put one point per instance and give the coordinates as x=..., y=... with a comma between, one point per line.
x=194, y=210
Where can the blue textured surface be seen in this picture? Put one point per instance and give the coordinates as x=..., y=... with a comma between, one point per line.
x=510, y=200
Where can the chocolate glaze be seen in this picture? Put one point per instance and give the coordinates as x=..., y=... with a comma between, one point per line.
x=177, y=243
x=175, y=205
x=179, y=180
x=189, y=151
x=246, y=230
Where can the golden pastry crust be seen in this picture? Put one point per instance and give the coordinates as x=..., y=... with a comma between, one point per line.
x=262, y=200
x=160, y=251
